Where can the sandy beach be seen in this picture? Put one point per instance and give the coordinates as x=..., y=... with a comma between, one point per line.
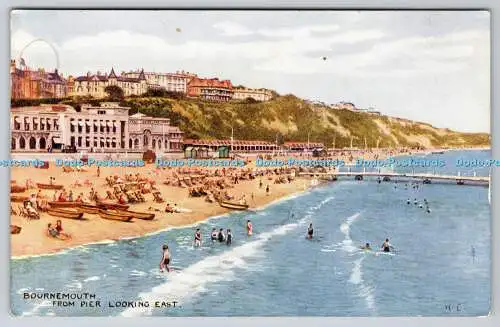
x=33, y=239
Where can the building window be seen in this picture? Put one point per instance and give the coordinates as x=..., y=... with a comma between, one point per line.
x=42, y=143
x=79, y=141
x=32, y=143
x=72, y=141
x=22, y=143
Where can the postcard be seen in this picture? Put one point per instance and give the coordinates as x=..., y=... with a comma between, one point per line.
x=250, y=163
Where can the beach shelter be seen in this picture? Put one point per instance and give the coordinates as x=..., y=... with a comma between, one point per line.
x=188, y=152
x=223, y=151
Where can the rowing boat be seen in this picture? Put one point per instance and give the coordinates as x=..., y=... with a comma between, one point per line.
x=49, y=186
x=135, y=214
x=233, y=206
x=17, y=189
x=19, y=198
x=63, y=204
x=69, y=213
x=114, y=206
x=114, y=215
x=88, y=208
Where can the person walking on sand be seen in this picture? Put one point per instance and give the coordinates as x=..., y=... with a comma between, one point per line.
x=249, y=228
x=98, y=171
x=267, y=189
x=165, y=259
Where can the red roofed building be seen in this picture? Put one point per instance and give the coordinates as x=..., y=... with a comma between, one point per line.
x=210, y=89
x=36, y=84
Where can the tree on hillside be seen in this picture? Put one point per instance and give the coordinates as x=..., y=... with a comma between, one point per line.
x=114, y=92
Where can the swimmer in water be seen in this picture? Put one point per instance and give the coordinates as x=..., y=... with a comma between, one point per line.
x=229, y=237
x=213, y=236
x=165, y=259
x=197, y=238
x=386, y=247
x=220, y=237
x=408, y=201
x=249, y=228
x=415, y=202
x=366, y=247
x=310, y=231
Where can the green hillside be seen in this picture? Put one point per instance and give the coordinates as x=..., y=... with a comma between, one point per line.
x=288, y=118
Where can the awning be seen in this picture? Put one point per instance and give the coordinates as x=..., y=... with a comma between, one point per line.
x=109, y=124
x=56, y=140
x=73, y=123
x=35, y=120
x=103, y=124
x=115, y=124
x=18, y=120
x=80, y=123
x=88, y=123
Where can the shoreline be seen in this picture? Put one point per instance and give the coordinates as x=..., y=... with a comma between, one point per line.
x=33, y=241
x=169, y=228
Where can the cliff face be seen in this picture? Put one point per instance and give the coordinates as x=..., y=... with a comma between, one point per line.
x=288, y=118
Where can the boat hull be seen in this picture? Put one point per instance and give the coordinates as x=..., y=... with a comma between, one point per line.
x=113, y=206
x=49, y=186
x=137, y=215
x=65, y=213
x=114, y=216
x=233, y=206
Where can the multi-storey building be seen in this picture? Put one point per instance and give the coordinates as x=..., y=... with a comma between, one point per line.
x=105, y=128
x=168, y=81
x=242, y=93
x=210, y=89
x=26, y=83
x=94, y=85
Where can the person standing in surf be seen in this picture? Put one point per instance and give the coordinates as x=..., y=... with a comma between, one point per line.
x=310, y=232
x=386, y=246
x=197, y=238
x=249, y=228
x=213, y=236
x=165, y=259
x=229, y=237
x=221, y=238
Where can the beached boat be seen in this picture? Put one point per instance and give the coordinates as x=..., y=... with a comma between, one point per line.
x=19, y=198
x=233, y=206
x=49, y=186
x=81, y=206
x=17, y=189
x=69, y=213
x=114, y=215
x=114, y=206
x=15, y=229
x=88, y=208
x=63, y=204
x=135, y=214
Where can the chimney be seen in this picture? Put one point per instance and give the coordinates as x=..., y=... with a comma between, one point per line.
x=88, y=74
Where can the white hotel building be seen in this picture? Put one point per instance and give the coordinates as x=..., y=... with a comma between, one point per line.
x=106, y=128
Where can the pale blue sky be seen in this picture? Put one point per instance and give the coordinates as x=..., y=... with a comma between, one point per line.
x=428, y=66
